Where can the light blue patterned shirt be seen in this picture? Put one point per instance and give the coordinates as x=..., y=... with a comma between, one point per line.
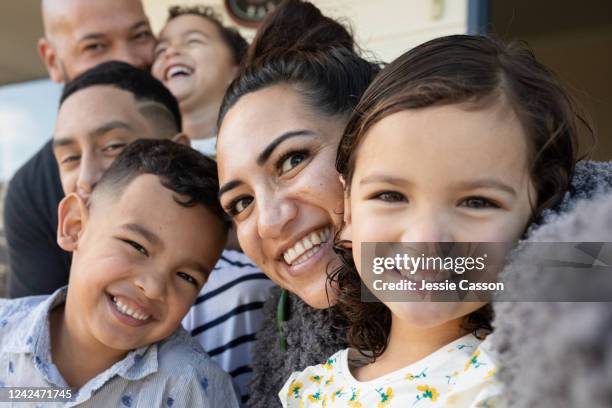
x=175, y=372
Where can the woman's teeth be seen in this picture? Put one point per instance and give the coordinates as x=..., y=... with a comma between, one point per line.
x=127, y=311
x=306, y=247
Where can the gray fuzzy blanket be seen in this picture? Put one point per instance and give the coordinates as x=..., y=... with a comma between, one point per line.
x=311, y=338
x=559, y=354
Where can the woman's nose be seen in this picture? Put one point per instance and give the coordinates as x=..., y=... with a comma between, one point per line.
x=273, y=215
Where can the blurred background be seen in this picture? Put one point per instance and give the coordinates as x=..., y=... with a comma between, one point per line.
x=573, y=38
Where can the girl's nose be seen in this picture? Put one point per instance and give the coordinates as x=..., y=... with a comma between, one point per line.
x=427, y=227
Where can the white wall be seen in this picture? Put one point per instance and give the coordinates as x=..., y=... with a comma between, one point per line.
x=390, y=27
x=385, y=27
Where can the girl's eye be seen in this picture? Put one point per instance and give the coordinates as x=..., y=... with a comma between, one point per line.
x=478, y=202
x=113, y=147
x=136, y=246
x=187, y=277
x=390, y=197
x=290, y=161
x=238, y=205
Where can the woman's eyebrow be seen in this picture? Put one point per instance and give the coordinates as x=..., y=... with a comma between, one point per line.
x=267, y=152
x=265, y=155
x=230, y=185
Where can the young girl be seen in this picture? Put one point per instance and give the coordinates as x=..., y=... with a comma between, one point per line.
x=461, y=139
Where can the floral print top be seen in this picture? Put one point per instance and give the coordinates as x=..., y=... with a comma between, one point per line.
x=460, y=374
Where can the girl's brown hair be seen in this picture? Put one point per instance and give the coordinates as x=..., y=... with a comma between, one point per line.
x=462, y=69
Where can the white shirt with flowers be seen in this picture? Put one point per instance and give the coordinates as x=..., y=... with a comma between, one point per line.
x=460, y=374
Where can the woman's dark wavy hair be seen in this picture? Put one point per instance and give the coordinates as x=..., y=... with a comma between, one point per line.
x=316, y=55
x=462, y=69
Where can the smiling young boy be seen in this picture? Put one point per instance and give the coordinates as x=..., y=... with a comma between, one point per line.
x=197, y=57
x=143, y=246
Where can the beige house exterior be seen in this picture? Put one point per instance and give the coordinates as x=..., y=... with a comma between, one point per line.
x=385, y=28
x=573, y=38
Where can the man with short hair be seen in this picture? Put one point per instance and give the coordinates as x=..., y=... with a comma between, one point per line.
x=78, y=35
x=101, y=112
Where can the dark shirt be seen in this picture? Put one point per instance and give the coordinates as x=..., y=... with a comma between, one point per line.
x=37, y=265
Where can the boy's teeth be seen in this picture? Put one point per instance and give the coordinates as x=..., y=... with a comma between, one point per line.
x=127, y=311
x=306, y=247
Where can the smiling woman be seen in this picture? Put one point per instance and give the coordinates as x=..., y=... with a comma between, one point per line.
x=286, y=198
x=286, y=112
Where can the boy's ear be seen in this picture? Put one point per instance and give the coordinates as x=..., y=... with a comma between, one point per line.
x=47, y=54
x=72, y=216
x=182, y=138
